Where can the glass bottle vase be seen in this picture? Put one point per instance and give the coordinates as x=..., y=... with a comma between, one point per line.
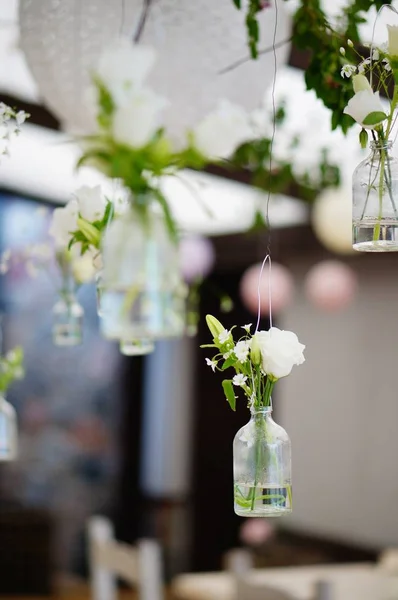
x=8, y=431
x=67, y=321
x=143, y=294
x=262, y=467
x=375, y=201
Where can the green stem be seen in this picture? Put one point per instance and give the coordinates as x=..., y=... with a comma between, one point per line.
x=376, y=232
x=258, y=455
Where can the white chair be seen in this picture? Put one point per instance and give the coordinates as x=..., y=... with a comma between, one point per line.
x=109, y=559
x=246, y=590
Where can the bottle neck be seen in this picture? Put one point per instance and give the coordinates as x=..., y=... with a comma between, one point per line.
x=258, y=414
x=379, y=146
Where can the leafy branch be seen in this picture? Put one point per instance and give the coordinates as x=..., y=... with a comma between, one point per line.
x=313, y=33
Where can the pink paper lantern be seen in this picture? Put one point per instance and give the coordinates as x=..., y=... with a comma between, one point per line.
x=331, y=285
x=256, y=532
x=282, y=287
x=197, y=257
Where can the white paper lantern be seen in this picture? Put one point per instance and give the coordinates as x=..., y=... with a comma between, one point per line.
x=332, y=220
x=62, y=40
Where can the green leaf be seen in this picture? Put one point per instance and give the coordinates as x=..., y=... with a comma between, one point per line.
x=374, y=118
x=229, y=363
x=238, y=3
x=229, y=393
x=170, y=223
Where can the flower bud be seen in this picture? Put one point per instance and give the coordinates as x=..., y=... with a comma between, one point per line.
x=255, y=351
x=214, y=325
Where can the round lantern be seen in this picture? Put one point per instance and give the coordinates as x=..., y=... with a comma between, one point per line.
x=195, y=41
x=282, y=287
x=332, y=220
x=331, y=285
x=196, y=258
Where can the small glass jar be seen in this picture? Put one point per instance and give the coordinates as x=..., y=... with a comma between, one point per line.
x=143, y=295
x=8, y=431
x=262, y=467
x=67, y=321
x=375, y=201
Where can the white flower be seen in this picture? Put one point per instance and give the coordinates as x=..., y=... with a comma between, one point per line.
x=221, y=132
x=239, y=380
x=21, y=117
x=386, y=64
x=362, y=105
x=135, y=123
x=348, y=70
x=363, y=65
x=211, y=363
x=247, y=327
x=392, y=40
x=227, y=355
x=91, y=202
x=83, y=267
x=360, y=83
x=241, y=350
x=342, y=51
x=64, y=222
x=124, y=67
x=280, y=351
x=224, y=336
x=375, y=54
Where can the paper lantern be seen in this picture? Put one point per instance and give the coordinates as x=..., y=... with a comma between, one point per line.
x=282, y=287
x=62, y=40
x=331, y=285
x=196, y=257
x=332, y=220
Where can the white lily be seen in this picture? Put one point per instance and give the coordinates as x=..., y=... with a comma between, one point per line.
x=91, y=202
x=135, y=123
x=64, y=222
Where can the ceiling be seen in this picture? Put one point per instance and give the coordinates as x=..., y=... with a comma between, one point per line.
x=42, y=161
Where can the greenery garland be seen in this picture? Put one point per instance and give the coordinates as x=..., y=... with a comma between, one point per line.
x=312, y=32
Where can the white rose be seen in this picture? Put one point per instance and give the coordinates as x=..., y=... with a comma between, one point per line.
x=280, y=351
x=363, y=104
x=63, y=223
x=392, y=40
x=221, y=132
x=91, y=202
x=124, y=67
x=136, y=123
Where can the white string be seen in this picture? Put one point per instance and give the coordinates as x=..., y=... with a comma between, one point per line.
x=268, y=257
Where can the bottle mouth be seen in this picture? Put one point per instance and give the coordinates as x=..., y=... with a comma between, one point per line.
x=381, y=145
x=261, y=410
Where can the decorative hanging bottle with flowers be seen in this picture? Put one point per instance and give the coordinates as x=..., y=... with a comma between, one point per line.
x=261, y=449
x=375, y=180
x=11, y=368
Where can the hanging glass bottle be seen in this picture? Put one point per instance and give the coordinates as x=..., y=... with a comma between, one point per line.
x=375, y=201
x=262, y=467
x=143, y=296
x=8, y=431
x=67, y=312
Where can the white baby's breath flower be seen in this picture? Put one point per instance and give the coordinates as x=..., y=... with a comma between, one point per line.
x=221, y=132
x=227, y=355
x=386, y=64
x=247, y=327
x=348, y=70
x=224, y=336
x=375, y=54
x=239, y=380
x=241, y=350
x=350, y=43
x=212, y=364
x=342, y=51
